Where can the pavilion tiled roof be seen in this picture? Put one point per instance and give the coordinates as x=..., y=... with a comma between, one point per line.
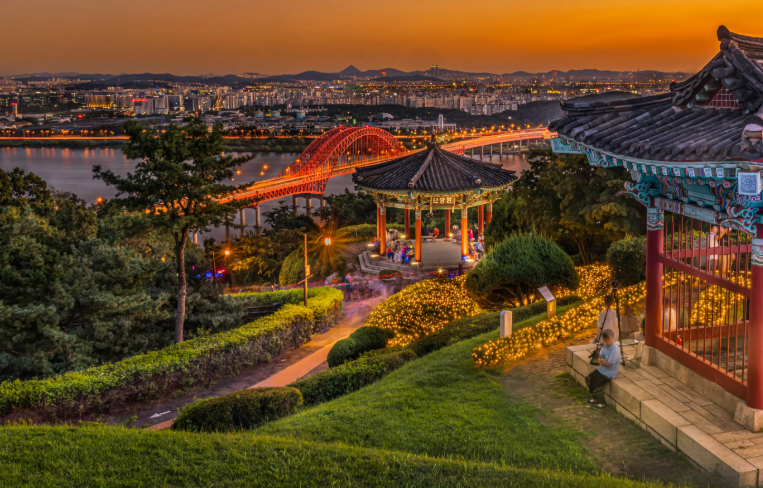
x=715, y=115
x=433, y=170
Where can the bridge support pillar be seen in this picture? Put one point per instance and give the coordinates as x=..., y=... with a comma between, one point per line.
x=294, y=204
x=195, y=235
x=480, y=220
x=491, y=152
x=227, y=230
x=323, y=202
x=308, y=205
x=448, y=228
x=482, y=153
x=243, y=222
x=257, y=223
x=500, y=149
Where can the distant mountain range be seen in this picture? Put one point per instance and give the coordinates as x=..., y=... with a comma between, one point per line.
x=385, y=74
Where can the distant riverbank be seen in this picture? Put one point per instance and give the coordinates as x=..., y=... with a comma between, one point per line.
x=241, y=145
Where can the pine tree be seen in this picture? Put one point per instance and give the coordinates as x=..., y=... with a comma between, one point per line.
x=179, y=183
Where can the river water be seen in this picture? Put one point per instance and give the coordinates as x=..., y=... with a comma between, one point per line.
x=71, y=170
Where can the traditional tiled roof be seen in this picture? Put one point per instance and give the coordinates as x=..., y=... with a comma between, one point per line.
x=715, y=115
x=433, y=170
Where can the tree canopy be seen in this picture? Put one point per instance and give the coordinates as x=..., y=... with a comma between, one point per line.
x=180, y=182
x=565, y=197
x=512, y=272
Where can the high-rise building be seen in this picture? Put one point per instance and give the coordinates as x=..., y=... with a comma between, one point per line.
x=142, y=106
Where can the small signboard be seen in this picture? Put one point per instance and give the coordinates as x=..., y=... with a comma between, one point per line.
x=550, y=301
x=546, y=293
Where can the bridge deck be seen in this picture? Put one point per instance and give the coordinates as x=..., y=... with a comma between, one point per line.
x=279, y=187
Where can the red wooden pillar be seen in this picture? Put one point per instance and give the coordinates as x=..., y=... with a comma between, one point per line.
x=378, y=220
x=417, y=254
x=755, y=331
x=448, y=229
x=489, y=213
x=382, y=231
x=464, y=232
x=481, y=219
x=407, y=223
x=655, y=222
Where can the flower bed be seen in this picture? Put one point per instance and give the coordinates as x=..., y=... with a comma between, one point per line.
x=174, y=369
x=549, y=332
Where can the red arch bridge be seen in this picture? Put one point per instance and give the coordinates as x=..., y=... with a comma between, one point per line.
x=341, y=150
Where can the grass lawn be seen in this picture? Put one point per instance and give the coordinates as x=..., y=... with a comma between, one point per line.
x=89, y=455
x=441, y=405
x=437, y=421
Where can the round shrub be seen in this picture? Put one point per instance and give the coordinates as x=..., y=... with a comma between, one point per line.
x=341, y=352
x=368, y=338
x=422, y=308
x=517, y=266
x=627, y=258
x=362, y=340
x=239, y=410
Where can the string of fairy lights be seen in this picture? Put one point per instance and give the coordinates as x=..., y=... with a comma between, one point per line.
x=422, y=308
x=595, y=279
x=549, y=332
x=429, y=305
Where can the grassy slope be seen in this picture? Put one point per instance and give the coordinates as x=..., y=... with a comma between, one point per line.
x=439, y=405
x=442, y=406
x=86, y=456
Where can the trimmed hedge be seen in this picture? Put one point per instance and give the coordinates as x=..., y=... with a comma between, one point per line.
x=352, y=376
x=174, y=369
x=467, y=327
x=627, y=258
x=263, y=299
x=362, y=340
x=239, y=410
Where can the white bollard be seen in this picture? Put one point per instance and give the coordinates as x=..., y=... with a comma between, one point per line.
x=506, y=323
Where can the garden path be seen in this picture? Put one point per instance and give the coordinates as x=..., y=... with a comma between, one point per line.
x=616, y=444
x=285, y=368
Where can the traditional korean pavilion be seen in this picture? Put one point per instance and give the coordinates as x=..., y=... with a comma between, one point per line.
x=433, y=179
x=694, y=156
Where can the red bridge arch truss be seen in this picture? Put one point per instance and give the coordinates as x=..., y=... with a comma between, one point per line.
x=338, y=151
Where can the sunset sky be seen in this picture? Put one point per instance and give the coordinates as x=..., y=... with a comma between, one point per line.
x=289, y=36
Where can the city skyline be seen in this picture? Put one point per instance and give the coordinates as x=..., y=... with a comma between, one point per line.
x=188, y=39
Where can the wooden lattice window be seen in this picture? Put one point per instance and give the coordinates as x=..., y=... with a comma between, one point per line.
x=723, y=99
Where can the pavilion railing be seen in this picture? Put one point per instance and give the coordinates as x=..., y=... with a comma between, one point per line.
x=705, y=299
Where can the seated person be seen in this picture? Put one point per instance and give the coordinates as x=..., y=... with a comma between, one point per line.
x=425, y=230
x=389, y=253
x=375, y=247
x=480, y=248
x=609, y=361
x=436, y=233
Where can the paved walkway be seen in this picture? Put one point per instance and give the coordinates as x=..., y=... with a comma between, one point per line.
x=285, y=368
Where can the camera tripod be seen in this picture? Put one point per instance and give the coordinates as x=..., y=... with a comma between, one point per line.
x=613, y=298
